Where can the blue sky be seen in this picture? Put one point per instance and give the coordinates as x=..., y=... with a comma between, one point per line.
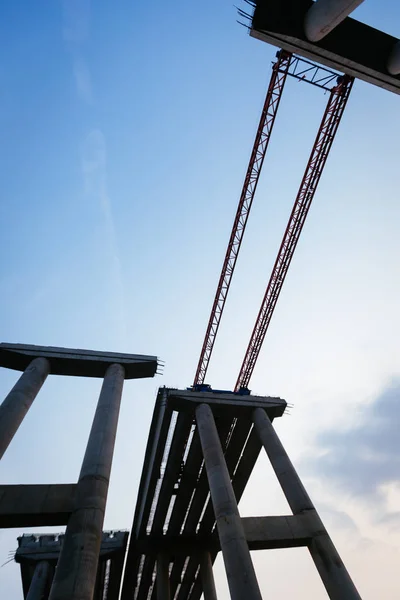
x=126, y=131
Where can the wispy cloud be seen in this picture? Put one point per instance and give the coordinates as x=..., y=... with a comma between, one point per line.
x=76, y=32
x=338, y=519
x=391, y=520
x=76, y=19
x=94, y=169
x=76, y=28
x=340, y=522
x=83, y=80
x=364, y=460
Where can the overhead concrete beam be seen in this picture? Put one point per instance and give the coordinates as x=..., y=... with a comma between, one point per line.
x=325, y=15
x=36, y=505
x=352, y=47
x=394, y=60
x=261, y=533
x=268, y=533
x=238, y=405
x=77, y=362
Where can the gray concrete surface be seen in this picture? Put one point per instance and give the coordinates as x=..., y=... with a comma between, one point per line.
x=207, y=577
x=39, y=581
x=333, y=573
x=239, y=567
x=20, y=399
x=76, y=571
x=36, y=505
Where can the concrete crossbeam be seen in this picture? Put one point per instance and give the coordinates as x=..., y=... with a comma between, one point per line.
x=268, y=533
x=261, y=533
x=77, y=363
x=188, y=400
x=394, y=60
x=36, y=505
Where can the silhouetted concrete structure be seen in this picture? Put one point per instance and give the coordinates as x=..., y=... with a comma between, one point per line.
x=351, y=47
x=240, y=572
x=201, y=450
x=79, y=506
x=77, y=566
x=38, y=555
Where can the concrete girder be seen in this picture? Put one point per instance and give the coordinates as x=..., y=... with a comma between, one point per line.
x=325, y=15
x=394, y=60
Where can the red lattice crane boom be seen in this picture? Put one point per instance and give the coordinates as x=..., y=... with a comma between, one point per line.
x=274, y=93
x=326, y=134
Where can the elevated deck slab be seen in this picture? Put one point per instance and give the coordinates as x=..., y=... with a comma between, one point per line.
x=76, y=362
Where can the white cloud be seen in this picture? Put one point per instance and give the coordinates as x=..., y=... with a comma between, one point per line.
x=76, y=19
x=83, y=80
x=362, y=461
x=76, y=25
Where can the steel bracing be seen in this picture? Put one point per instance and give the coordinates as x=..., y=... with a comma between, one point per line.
x=305, y=71
x=319, y=154
x=267, y=120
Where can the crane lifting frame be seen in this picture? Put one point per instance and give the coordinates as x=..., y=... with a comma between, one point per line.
x=326, y=134
x=303, y=70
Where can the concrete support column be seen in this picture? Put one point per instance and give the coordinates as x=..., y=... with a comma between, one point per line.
x=207, y=577
x=162, y=581
x=39, y=581
x=19, y=400
x=75, y=576
x=332, y=571
x=239, y=568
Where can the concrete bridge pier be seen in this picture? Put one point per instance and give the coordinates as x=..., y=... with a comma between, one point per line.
x=239, y=567
x=39, y=581
x=332, y=571
x=76, y=571
x=207, y=577
x=19, y=400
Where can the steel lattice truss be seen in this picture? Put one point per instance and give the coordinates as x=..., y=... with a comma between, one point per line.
x=271, y=104
x=304, y=70
x=329, y=125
